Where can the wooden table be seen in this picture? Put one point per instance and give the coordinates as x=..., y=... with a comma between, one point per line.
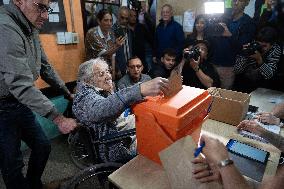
x=141, y=173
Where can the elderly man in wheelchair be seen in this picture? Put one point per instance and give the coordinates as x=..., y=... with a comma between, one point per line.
x=97, y=105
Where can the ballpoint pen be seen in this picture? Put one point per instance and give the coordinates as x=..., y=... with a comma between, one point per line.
x=199, y=149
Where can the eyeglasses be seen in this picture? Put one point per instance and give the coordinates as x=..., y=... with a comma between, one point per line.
x=43, y=8
x=135, y=66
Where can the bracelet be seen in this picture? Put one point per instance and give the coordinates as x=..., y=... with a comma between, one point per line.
x=225, y=162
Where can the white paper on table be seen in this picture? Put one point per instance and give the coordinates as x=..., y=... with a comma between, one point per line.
x=276, y=100
x=272, y=128
x=252, y=136
x=188, y=20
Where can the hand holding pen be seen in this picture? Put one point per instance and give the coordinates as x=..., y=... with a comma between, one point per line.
x=203, y=169
x=199, y=149
x=213, y=150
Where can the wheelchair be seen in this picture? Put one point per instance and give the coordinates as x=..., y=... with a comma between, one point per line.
x=84, y=152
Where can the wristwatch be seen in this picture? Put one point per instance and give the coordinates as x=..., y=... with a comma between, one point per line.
x=225, y=162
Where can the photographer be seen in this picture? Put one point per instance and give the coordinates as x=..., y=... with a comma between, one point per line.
x=238, y=29
x=258, y=62
x=198, y=71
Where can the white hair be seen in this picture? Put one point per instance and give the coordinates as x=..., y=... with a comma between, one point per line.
x=169, y=6
x=86, y=69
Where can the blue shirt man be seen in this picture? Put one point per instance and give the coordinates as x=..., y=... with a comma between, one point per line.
x=169, y=34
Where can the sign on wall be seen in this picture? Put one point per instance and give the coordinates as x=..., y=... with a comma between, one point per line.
x=56, y=19
x=4, y=2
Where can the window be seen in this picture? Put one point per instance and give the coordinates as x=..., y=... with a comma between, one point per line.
x=214, y=7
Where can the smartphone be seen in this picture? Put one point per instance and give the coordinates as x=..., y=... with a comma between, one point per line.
x=119, y=32
x=247, y=151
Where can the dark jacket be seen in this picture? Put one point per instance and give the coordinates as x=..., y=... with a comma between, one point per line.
x=190, y=78
x=121, y=55
x=159, y=70
x=22, y=61
x=140, y=37
x=169, y=36
x=225, y=49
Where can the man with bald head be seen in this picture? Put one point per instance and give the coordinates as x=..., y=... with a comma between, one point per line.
x=22, y=61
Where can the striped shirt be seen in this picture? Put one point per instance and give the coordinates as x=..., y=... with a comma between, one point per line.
x=267, y=69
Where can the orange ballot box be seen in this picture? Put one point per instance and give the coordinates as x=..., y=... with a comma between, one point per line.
x=161, y=121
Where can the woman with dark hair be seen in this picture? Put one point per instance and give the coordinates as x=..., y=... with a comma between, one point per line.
x=199, y=30
x=257, y=68
x=100, y=41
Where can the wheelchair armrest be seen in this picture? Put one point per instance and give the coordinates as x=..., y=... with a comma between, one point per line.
x=117, y=136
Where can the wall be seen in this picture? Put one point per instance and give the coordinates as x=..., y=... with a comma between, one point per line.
x=65, y=58
x=181, y=6
x=196, y=5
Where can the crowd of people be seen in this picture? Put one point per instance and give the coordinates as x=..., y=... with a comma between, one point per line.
x=125, y=62
x=236, y=51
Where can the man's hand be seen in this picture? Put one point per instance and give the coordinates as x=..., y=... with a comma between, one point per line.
x=226, y=32
x=204, y=172
x=154, y=87
x=214, y=150
x=257, y=56
x=251, y=126
x=120, y=41
x=194, y=64
x=267, y=117
x=65, y=125
x=69, y=97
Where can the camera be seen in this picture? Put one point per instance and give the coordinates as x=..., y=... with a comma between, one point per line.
x=194, y=53
x=251, y=48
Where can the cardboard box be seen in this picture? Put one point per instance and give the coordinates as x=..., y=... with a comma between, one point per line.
x=228, y=106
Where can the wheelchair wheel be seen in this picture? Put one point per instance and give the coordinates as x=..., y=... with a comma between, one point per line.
x=94, y=177
x=79, y=154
